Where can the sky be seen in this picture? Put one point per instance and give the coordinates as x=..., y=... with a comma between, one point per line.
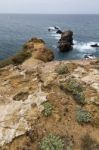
x=50, y=6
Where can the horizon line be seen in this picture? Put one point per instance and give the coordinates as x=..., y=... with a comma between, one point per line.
x=51, y=13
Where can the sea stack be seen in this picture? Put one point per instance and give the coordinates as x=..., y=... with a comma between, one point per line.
x=66, y=41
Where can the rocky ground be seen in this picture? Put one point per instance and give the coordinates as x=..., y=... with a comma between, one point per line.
x=49, y=105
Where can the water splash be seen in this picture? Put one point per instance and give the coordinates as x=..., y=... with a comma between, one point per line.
x=85, y=47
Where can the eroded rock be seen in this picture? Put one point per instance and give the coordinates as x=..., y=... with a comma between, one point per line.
x=66, y=41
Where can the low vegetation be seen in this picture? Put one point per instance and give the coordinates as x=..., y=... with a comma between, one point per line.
x=52, y=142
x=62, y=69
x=73, y=86
x=76, y=89
x=5, y=63
x=16, y=60
x=47, y=109
x=83, y=116
x=21, y=57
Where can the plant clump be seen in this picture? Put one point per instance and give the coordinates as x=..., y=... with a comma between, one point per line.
x=83, y=116
x=52, y=142
x=62, y=69
x=47, y=109
x=16, y=60
x=5, y=63
x=76, y=89
x=73, y=86
x=21, y=57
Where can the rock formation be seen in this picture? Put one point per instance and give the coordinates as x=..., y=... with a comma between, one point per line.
x=38, y=98
x=39, y=50
x=59, y=32
x=66, y=41
x=94, y=45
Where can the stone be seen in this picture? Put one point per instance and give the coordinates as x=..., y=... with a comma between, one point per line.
x=66, y=41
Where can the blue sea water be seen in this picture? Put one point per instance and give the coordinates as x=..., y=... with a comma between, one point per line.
x=16, y=29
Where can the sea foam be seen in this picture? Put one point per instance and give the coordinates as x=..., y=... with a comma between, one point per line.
x=85, y=47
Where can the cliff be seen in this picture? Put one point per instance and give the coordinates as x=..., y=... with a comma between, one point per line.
x=48, y=105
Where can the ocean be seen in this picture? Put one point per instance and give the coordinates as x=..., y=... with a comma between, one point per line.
x=16, y=29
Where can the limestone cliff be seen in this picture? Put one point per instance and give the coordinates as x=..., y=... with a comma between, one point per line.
x=39, y=98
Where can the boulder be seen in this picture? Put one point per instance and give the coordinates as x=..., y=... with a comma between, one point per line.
x=66, y=41
x=59, y=32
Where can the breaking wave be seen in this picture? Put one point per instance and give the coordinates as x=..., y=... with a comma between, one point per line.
x=85, y=47
x=55, y=35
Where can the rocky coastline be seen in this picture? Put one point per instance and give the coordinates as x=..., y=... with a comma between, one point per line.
x=46, y=103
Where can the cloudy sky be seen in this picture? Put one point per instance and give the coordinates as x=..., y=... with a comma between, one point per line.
x=50, y=6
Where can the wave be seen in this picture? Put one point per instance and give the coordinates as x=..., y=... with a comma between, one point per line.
x=55, y=35
x=85, y=47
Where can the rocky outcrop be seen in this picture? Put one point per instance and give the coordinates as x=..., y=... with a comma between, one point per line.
x=38, y=49
x=66, y=41
x=59, y=32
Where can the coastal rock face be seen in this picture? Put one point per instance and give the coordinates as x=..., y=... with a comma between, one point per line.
x=66, y=41
x=39, y=50
x=58, y=98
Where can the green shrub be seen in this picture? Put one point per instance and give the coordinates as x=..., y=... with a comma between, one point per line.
x=62, y=69
x=16, y=60
x=5, y=63
x=83, y=116
x=47, y=109
x=88, y=143
x=21, y=57
x=76, y=89
x=52, y=142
